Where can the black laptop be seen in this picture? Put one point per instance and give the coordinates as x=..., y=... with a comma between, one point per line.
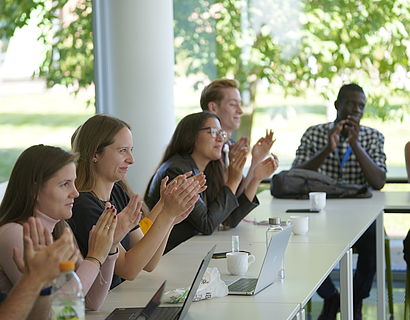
x=161, y=312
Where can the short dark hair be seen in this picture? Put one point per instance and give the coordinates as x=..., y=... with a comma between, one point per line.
x=347, y=88
x=212, y=92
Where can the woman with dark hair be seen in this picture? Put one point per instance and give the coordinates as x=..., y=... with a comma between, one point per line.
x=196, y=146
x=42, y=185
x=104, y=145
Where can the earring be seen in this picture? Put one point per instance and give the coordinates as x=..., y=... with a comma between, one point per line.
x=95, y=160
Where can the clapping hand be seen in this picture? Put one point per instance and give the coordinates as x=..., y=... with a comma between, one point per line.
x=261, y=149
x=181, y=194
x=238, y=147
x=169, y=186
x=334, y=135
x=266, y=168
x=127, y=218
x=41, y=256
x=201, y=179
x=352, y=127
x=236, y=166
x=101, y=237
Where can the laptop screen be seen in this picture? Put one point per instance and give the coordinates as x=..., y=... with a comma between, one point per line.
x=152, y=304
x=196, y=282
x=273, y=259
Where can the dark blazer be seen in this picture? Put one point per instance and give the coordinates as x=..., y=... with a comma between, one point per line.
x=206, y=216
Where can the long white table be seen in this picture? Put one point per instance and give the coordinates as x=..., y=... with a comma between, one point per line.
x=340, y=224
x=308, y=260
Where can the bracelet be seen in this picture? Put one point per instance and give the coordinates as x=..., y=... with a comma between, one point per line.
x=45, y=291
x=116, y=251
x=89, y=258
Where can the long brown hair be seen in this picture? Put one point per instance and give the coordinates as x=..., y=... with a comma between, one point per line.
x=89, y=139
x=183, y=142
x=33, y=168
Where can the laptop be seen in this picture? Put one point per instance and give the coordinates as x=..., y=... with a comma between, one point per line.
x=270, y=267
x=161, y=312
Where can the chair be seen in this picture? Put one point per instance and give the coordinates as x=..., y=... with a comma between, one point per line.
x=389, y=280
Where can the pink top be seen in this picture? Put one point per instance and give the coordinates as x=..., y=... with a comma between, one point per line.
x=95, y=284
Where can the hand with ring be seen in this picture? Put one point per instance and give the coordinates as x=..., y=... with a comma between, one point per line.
x=101, y=236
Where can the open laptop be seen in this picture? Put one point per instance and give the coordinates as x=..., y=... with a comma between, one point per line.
x=270, y=267
x=165, y=313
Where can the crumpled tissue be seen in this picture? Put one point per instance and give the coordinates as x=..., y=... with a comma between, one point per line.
x=211, y=286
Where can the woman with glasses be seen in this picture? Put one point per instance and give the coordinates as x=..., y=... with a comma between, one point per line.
x=196, y=146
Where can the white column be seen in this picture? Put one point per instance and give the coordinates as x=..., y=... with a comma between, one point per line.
x=134, y=75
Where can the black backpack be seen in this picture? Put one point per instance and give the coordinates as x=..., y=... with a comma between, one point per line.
x=297, y=183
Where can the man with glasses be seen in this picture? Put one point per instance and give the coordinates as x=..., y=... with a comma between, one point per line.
x=350, y=153
x=222, y=98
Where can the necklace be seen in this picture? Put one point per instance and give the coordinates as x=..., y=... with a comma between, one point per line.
x=101, y=202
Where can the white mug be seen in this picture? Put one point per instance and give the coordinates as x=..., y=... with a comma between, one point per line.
x=300, y=224
x=317, y=200
x=238, y=262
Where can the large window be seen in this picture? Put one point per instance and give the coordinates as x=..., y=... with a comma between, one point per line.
x=291, y=57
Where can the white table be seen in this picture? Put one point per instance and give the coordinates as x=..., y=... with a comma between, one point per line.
x=179, y=269
x=309, y=259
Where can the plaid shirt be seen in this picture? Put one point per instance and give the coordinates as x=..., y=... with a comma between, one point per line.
x=316, y=138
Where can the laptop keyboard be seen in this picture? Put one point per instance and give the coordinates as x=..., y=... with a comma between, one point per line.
x=243, y=285
x=165, y=313
x=160, y=313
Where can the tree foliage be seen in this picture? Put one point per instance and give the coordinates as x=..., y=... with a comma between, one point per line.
x=288, y=43
x=65, y=27
x=298, y=45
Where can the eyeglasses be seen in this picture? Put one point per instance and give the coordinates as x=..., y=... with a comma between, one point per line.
x=216, y=132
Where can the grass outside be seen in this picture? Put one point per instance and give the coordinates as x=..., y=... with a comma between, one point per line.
x=44, y=116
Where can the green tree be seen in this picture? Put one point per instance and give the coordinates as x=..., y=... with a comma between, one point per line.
x=363, y=41
x=66, y=33
x=291, y=44
x=336, y=41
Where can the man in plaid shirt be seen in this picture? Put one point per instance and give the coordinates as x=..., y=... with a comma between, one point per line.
x=350, y=153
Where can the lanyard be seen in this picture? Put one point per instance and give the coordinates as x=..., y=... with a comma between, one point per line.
x=346, y=157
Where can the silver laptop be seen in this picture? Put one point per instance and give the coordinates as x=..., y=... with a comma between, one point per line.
x=165, y=313
x=270, y=269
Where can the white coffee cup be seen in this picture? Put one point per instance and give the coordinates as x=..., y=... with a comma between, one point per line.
x=238, y=262
x=317, y=200
x=300, y=224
